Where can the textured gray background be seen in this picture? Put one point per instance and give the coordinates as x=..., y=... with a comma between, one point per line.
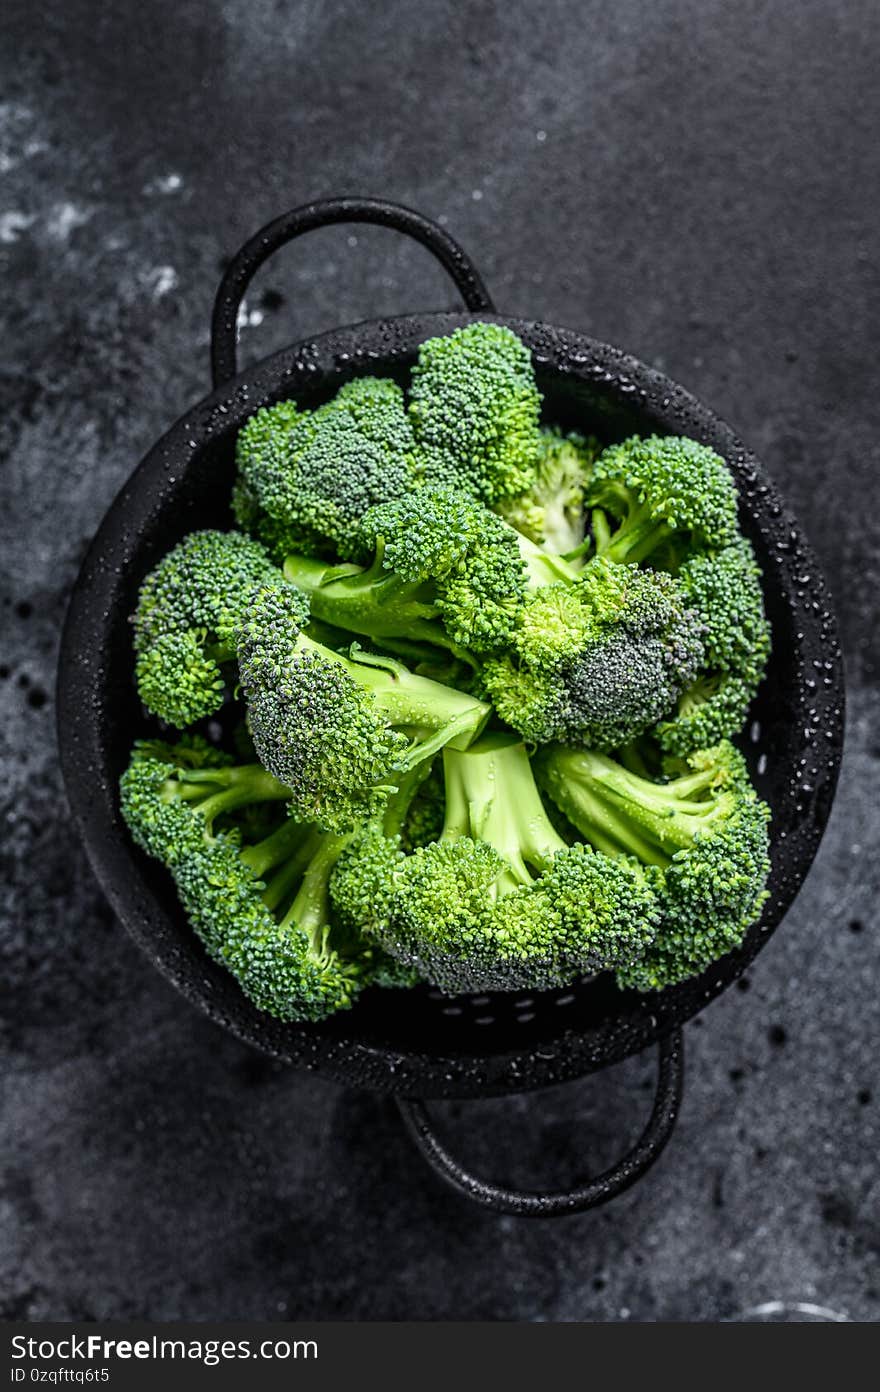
x=694, y=180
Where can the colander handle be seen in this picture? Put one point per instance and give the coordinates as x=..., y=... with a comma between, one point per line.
x=527, y=1204
x=286, y=228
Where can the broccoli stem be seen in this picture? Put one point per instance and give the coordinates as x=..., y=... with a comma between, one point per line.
x=610, y=805
x=289, y=873
x=275, y=849
x=433, y=714
x=701, y=690
x=220, y=652
x=605, y=828
x=542, y=568
x=601, y=531
x=634, y=539
x=491, y=796
x=563, y=528
x=374, y=602
x=632, y=756
x=235, y=787
x=399, y=802
x=310, y=909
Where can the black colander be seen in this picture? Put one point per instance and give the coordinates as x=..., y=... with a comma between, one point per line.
x=420, y=1044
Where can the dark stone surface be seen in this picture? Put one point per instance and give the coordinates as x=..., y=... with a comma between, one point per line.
x=696, y=181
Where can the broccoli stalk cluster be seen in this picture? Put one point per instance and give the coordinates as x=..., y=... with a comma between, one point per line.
x=499, y=900
x=596, y=659
x=703, y=827
x=337, y=729
x=480, y=675
x=259, y=906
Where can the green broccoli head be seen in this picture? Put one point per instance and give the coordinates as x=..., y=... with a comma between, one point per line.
x=177, y=680
x=705, y=832
x=724, y=587
x=597, y=661
x=186, y=617
x=607, y=908
x=500, y=901
x=361, y=891
x=551, y=511
x=660, y=495
x=454, y=917
x=284, y=963
x=711, y=708
x=713, y=892
x=340, y=730
x=448, y=923
x=314, y=726
x=305, y=478
x=363, y=883
x=261, y=909
x=154, y=811
x=724, y=590
x=474, y=408
x=462, y=551
x=438, y=569
x=264, y=460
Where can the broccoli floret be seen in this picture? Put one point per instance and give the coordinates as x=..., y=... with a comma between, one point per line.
x=551, y=511
x=474, y=408
x=713, y=707
x=704, y=829
x=500, y=902
x=441, y=570
x=608, y=909
x=261, y=908
x=658, y=496
x=724, y=589
x=263, y=462
x=545, y=567
x=305, y=478
x=189, y=751
x=340, y=730
x=424, y=818
x=184, y=625
x=363, y=877
x=596, y=661
x=446, y=919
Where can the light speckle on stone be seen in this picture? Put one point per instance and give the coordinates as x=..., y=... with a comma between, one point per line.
x=164, y=184
x=64, y=218
x=160, y=280
x=249, y=316
x=13, y=223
